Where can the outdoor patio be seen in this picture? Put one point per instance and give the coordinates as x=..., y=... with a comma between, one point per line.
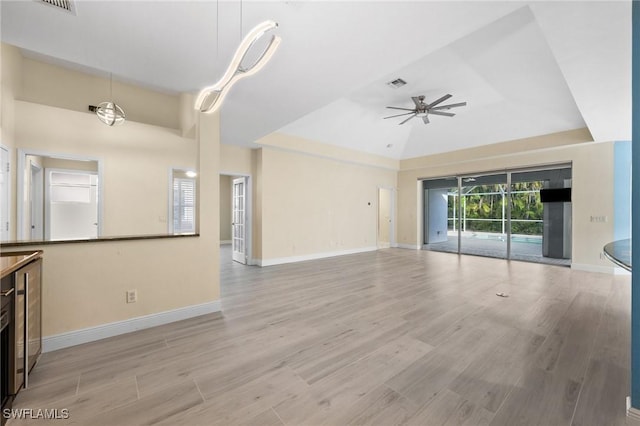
x=526, y=248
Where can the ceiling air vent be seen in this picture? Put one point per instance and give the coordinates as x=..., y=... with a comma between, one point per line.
x=64, y=5
x=398, y=82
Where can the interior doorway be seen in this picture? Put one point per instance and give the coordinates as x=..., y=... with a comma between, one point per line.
x=385, y=209
x=5, y=197
x=58, y=196
x=235, y=220
x=36, y=202
x=238, y=220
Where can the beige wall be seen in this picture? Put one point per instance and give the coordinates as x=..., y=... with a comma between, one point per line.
x=44, y=109
x=73, y=90
x=225, y=208
x=136, y=158
x=235, y=160
x=10, y=88
x=592, y=193
x=85, y=283
x=256, y=171
x=58, y=163
x=313, y=205
x=188, y=117
x=241, y=161
x=11, y=85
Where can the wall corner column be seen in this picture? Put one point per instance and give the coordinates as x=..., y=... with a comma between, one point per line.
x=208, y=137
x=635, y=207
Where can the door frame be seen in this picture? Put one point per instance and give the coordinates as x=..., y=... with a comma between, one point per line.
x=248, y=213
x=36, y=201
x=241, y=183
x=423, y=214
x=21, y=190
x=10, y=210
x=392, y=209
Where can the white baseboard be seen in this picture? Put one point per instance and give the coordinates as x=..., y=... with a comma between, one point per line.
x=223, y=242
x=394, y=245
x=85, y=335
x=408, y=246
x=620, y=271
x=593, y=268
x=314, y=256
x=633, y=414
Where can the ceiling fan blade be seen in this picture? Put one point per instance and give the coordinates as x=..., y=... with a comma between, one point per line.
x=446, y=114
x=416, y=100
x=402, y=122
x=442, y=99
x=399, y=115
x=425, y=119
x=403, y=109
x=449, y=106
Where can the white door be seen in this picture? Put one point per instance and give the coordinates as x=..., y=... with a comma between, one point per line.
x=4, y=194
x=384, y=218
x=238, y=220
x=36, y=200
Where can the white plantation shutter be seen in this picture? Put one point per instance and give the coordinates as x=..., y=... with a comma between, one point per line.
x=184, y=211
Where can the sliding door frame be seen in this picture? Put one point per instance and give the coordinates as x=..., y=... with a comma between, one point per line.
x=460, y=177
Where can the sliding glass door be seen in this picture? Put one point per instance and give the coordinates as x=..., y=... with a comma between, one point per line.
x=527, y=213
x=442, y=217
x=503, y=215
x=484, y=222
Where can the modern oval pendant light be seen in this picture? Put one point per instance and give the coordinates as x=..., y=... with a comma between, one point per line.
x=109, y=112
x=210, y=98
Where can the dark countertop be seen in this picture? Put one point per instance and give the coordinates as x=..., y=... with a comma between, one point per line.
x=619, y=252
x=26, y=243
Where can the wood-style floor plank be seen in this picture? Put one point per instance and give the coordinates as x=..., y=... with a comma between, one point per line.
x=540, y=398
x=450, y=409
x=488, y=380
x=392, y=337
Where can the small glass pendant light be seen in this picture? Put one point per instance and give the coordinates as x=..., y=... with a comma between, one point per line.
x=109, y=112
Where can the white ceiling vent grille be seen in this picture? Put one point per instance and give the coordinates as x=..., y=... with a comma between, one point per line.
x=398, y=82
x=64, y=5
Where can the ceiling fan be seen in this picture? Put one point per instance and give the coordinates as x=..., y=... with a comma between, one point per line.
x=423, y=110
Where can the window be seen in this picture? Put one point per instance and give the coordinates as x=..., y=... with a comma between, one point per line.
x=70, y=206
x=184, y=211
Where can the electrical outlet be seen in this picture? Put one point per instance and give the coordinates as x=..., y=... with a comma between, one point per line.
x=132, y=296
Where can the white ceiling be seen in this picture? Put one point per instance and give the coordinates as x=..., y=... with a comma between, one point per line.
x=525, y=68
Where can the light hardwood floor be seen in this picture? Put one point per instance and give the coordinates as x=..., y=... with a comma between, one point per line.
x=388, y=337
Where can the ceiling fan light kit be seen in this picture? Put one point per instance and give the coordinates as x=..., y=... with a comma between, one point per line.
x=423, y=110
x=210, y=98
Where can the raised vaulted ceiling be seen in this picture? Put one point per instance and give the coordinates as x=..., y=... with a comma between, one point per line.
x=525, y=68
